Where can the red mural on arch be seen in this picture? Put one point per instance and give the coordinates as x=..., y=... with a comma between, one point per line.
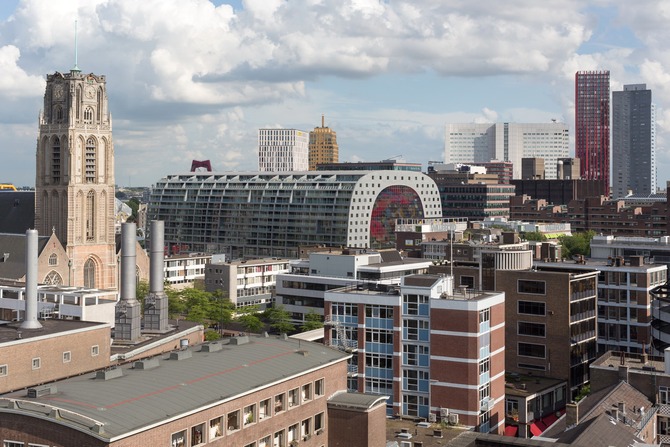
x=394, y=202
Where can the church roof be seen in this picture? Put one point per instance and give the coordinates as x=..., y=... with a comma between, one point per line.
x=13, y=254
x=17, y=211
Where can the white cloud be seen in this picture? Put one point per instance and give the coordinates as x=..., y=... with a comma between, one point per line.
x=15, y=82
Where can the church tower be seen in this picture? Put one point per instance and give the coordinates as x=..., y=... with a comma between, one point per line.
x=74, y=185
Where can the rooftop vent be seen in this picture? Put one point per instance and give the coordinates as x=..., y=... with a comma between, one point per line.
x=147, y=364
x=181, y=355
x=211, y=347
x=242, y=340
x=108, y=374
x=42, y=391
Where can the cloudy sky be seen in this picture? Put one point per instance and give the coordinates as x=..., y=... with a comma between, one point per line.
x=196, y=79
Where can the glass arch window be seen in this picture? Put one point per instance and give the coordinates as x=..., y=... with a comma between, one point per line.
x=53, y=259
x=53, y=278
x=394, y=202
x=90, y=161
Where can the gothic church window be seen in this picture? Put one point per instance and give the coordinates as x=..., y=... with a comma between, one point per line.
x=90, y=160
x=89, y=274
x=90, y=216
x=53, y=278
x=53, y=259
x=88, y=115
x=55, y=160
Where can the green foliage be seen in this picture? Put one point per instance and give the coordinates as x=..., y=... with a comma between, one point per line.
x=577, y=244
x=134, y=205
x=211, y=335
x=583, y=392
x=250, y=322
x=279, y=319
x=534, y=236
x=199, y=306
x=312, y=321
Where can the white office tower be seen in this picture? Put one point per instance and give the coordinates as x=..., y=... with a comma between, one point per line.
x=481, y=143
x=283, y=150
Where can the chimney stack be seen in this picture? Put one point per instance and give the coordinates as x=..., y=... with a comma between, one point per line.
x=30, y=321
x=156, y=302
x=127, y=321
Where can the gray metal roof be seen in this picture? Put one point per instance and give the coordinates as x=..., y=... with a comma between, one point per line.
x=141, y=398
x=14, y=267
x=17, y=211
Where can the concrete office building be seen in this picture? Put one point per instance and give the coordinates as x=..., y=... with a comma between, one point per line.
x=322, y=146
x=624, y=299
x=259, y=215
x=510, y=142
x=437, y=352
x=633, y=141
x=283, y=150
x=245, y=283
x=592, y=125
x=303, y=289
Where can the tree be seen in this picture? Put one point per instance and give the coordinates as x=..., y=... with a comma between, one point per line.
x=312, y=321
x=134, y=205
x=279, y=319
x=534, y=236
x=577, y=244
x=250, y=322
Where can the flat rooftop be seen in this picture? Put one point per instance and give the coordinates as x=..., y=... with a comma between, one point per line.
x=523, y=385
x=201, y=378
x=612, y=359
x=11, y=331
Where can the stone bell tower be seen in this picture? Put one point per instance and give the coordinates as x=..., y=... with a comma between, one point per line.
x=74, y=185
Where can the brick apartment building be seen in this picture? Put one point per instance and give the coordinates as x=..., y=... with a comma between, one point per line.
x=435, y=351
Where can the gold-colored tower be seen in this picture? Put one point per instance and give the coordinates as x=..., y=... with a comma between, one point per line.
x=322, y=146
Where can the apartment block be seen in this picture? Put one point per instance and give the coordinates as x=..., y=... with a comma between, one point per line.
x=437, y=352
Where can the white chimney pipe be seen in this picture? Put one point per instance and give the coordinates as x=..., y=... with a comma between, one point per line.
x=157, y=256
x=30, y=321
x=128, y=262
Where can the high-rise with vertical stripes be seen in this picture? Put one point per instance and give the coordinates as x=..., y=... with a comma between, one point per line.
x=592, y=125
x=633, y=141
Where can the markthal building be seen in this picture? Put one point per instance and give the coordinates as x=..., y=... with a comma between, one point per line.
x=265, y=214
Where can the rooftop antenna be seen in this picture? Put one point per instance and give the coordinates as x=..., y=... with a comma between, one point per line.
x=75, y=69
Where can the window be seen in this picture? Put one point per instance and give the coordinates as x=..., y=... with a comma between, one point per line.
x=531, y=366
x=468, y=281
x=265, y=442
x=307, y=392
x=67, y=356
x=663, y=395
x=264, y=410
x=37, y=362
x=253, y=444
x=532, y=329
x=216, y=428
x=198, y=434
x=279, y=403
x=531, y=350
x=3, y=370
x=179, y=439
x=89, y=274
x=305, y=429
x=53, y=259
x=484, y=366
x=233, y=420
x=249, y=414
x=532, y=307
x=88, y=115
x=318, y=388
x=278, y=440
x=13, y=444
x=319, y=422
x=293, y=433
x=293, y=398
x=529, y=286
x=95, y=350
x=90, y=162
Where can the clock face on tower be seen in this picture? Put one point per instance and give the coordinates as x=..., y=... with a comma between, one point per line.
x=90, y=92
x=58, y=92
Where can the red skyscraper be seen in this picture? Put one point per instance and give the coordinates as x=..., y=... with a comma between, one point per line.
x=592, y=125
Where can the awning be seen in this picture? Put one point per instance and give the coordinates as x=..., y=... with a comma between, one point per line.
x=535, y=430
x=549, y=420
x=511, y=430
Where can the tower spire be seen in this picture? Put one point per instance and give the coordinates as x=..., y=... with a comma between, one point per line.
x=75, y=69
